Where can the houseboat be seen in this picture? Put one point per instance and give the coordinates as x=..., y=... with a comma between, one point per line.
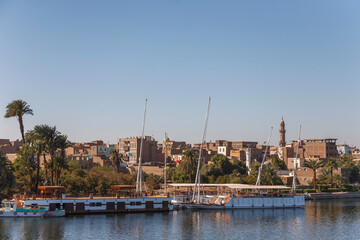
x=50, y=198
x=237, y=196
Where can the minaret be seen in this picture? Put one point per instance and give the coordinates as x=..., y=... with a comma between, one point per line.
x=282, y=142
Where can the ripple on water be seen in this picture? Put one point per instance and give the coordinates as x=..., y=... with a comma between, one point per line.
x=337, y=219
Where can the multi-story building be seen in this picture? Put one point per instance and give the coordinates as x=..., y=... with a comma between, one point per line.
x=173, y=148
x=90, y=154
x=130, y=148
x=321, y=148
x=343, y=149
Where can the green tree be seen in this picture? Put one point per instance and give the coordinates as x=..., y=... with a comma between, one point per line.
x=60, y=164
x=277, y=163
x=62, y=143
x=25, y=166
x=18, y=108
x=36, y=140
x=239, y=167
x=7, y=178
x=354, y=173
x=268, y=174
x=209, y=173
x=345, y=161
x=326, y=178
x=51, y=140
x=332, y=164
x=153, y=182
x=222, y=163
x=314, y=165
x=254, y=170
x=116, y=158
x=186, y=171
x=103, y=187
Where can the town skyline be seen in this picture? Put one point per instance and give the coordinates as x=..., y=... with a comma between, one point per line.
x=276, y=135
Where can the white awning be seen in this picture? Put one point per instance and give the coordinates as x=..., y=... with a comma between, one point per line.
x=230, y=185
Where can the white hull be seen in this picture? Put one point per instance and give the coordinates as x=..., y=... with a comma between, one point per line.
x=105, y=205
x=254, y=203
x=32, y=214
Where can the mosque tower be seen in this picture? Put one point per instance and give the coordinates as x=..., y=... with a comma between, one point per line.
x=282, y=142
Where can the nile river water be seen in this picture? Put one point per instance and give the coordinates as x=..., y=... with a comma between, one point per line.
x=335, y=219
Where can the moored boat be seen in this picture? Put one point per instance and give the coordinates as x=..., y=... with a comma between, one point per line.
x=239, y=196
x=13, y=208
x=124, y=200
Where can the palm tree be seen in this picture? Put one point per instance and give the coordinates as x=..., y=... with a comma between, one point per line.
x=59, y=164
x=188, y=164
x=116, y=158
x=332, y=164
x=25, y=165
x=313, y=164
x=37, y=139
x=7, y=178
x=39, y=149
x=18, y=108
x=51, y=140
x=62, y=144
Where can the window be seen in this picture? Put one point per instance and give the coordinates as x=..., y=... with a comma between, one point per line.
x=132, y=204
x=138, y=203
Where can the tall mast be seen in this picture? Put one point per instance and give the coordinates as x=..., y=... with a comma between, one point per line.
x=258, y=181
x=293, y=188
x=197, y=178
x=139, y=175
x=165, y=154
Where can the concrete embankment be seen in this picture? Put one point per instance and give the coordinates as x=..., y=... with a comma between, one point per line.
x=335, y=195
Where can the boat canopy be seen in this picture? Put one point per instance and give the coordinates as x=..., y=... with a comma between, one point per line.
x=230, y=185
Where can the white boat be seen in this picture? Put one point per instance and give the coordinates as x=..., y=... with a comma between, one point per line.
x=240, y=196
x=13, y=208
x=105, y=204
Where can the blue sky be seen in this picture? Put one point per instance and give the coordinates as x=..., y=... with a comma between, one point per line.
x=87, y=67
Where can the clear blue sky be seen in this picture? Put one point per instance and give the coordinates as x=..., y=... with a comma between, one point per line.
x=87, y=67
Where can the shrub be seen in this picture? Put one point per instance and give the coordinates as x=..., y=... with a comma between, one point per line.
x=335, y=189
x=324, y=188
x=349, y=188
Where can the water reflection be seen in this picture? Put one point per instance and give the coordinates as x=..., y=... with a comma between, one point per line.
x=319, y=220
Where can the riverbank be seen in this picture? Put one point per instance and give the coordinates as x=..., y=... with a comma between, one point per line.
x=334, y=195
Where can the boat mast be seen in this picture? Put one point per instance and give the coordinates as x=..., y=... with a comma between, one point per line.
x=139, y=175
x=165, y=154
x=258, y=181
x=293, y=188
x=197, y=178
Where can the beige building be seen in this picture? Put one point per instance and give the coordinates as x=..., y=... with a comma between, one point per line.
x=130, y=148
x=90, y=154
x=173, y=148
x=10, y=148
x=321, y=148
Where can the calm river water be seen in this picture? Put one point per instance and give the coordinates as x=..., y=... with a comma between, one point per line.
x=337, y=219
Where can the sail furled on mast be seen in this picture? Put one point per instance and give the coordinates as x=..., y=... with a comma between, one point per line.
x=258, y=181
x=139, y=175
x=198, y=178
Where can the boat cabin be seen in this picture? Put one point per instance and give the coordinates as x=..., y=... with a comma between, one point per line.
x=9, y=205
